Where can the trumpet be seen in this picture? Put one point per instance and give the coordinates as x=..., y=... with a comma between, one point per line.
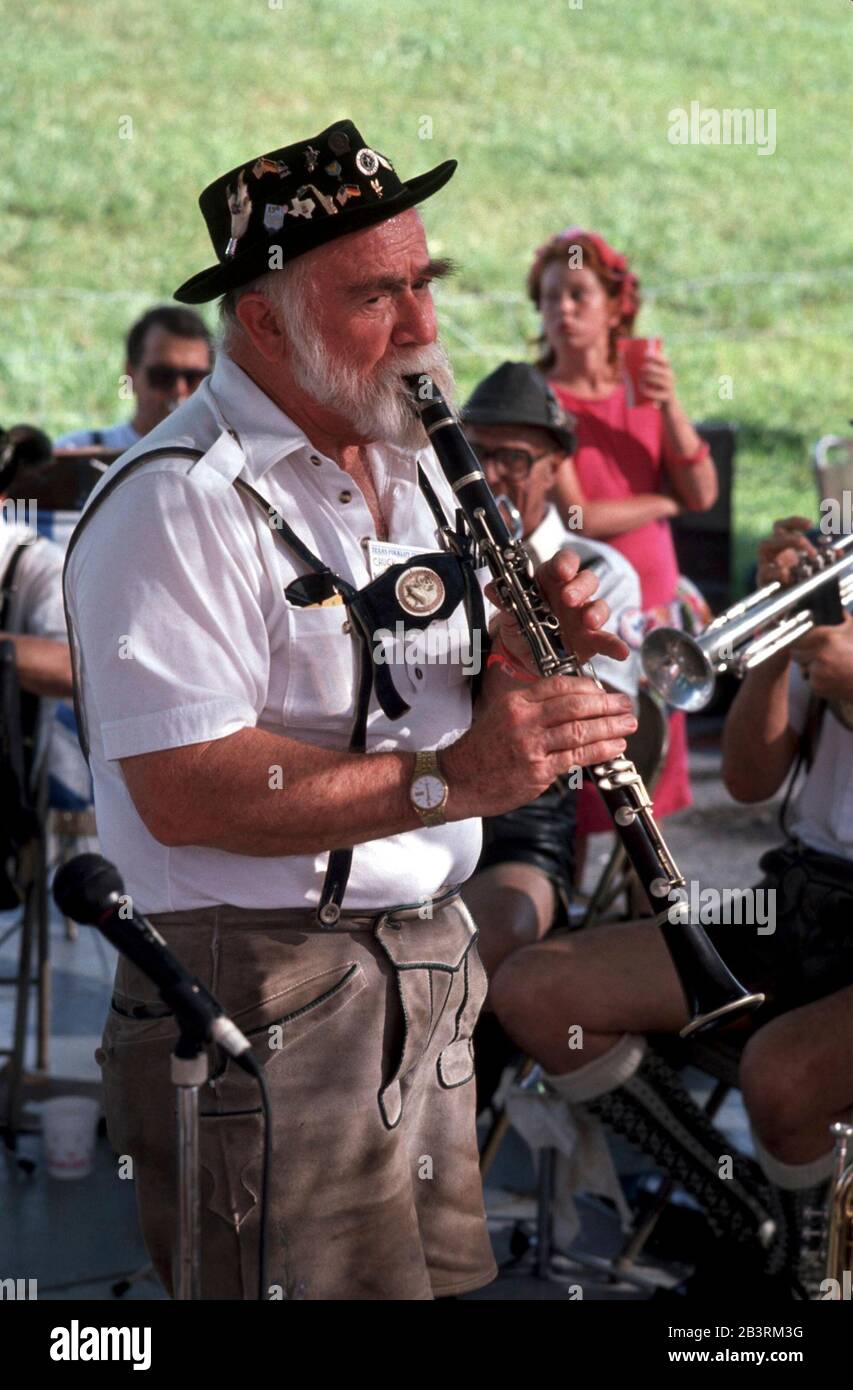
x=683, y=669
x=839, y=1215
x=711, y=991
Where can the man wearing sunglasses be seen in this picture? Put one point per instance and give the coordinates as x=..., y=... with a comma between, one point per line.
x=168, y=357
x=521, y=435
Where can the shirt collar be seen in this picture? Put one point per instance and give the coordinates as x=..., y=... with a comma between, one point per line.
x=264, y=432
x=548, y=537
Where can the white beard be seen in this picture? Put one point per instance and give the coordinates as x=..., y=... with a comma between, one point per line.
x=378, y=408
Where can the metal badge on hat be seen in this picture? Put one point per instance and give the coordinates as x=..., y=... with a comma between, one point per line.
x=274, y=216
x=269, y=166
x=339, y=142
x=301, y=207
x=347, y=191
x=310, y=190
x=311, y=157
x=419, y=591
x=366, y=162
x=240, y=208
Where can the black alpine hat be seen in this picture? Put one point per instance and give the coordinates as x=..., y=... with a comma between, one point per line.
x=517, y=394
x=296, y=198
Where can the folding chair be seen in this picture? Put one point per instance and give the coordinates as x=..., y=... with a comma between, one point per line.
x=832, y=459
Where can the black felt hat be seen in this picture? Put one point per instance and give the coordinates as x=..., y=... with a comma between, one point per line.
x=274, y=208
x=517, y=394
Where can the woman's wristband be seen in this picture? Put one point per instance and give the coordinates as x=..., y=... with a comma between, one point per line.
x=698, y=456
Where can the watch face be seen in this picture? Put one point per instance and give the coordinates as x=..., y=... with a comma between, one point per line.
x=428, y=792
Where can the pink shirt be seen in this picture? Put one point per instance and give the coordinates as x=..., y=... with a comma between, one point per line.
x=619, y=455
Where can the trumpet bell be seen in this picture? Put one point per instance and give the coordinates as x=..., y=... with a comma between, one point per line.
x=678, y=669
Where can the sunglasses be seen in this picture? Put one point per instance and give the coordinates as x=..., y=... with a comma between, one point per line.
x=163, y=378
x=515, y=462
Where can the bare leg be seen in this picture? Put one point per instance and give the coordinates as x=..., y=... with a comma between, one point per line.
x=797, y=1077
x=576, y=1004
x=513, y=905
x=609, y=979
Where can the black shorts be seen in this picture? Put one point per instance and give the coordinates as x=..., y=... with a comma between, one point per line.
x=810, y=953
x=542, y=834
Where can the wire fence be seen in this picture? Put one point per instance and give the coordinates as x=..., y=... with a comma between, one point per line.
x=62, y=342
x=673, y=288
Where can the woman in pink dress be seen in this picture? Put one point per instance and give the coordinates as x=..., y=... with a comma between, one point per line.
x=635, y=466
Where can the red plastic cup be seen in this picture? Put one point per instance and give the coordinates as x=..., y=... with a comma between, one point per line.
x=632, y=353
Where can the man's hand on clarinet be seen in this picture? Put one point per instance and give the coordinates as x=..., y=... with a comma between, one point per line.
x=525, y=738
x=570, y=592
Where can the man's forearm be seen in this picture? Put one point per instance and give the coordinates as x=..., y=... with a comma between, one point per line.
x=614, y=516
x=261, y=794
x=43, y=664
x=758, y=743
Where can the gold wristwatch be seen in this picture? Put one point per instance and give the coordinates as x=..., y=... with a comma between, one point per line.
x=428, y=791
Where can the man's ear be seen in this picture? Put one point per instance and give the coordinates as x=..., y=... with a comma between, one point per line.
x=261, y=325
x=555, y=461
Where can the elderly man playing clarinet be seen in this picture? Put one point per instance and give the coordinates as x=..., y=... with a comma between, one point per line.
x=293, y=807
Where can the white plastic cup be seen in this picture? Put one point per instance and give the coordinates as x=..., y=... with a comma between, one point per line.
x=69, y=1129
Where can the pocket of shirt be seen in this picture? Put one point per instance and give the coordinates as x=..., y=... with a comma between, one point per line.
x=441, y=659
x=321, y=669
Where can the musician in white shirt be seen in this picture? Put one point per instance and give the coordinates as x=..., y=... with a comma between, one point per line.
x=313, y=888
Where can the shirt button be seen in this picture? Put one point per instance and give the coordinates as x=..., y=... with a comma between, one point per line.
x=419, y=675
x=345, y=497
x=346, y=626
x=315, y=460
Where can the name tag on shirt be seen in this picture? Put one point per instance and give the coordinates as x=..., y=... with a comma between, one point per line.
x=382, y=554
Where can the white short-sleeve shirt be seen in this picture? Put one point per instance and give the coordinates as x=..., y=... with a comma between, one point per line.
x=35, y=606
x=184, y=635
x=822, y=816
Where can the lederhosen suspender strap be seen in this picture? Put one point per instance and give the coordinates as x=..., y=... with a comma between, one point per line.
x=371, y=676
x=108, y=487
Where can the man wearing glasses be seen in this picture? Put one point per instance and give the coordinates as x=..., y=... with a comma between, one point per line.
x=522, y=886
x=168, y=356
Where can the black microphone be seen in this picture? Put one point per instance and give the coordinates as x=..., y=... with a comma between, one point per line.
x=89, y=889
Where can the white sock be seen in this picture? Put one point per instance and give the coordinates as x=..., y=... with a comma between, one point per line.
x=603, y=1074
x=793, y=1177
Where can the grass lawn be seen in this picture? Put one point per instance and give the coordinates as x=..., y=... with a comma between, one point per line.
x=557, y=112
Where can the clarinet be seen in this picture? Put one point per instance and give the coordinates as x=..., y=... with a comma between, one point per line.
x=710, y=989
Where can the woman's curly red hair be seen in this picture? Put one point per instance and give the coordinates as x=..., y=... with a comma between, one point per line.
x=610, y=268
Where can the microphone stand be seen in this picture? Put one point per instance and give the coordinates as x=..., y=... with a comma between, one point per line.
x=190, y=1070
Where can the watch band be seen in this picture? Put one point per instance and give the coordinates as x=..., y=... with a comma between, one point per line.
x=426, y=764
